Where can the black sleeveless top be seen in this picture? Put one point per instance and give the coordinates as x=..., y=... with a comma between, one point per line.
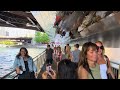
x=26, y=66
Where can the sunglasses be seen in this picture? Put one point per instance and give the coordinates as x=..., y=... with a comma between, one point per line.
x=101, y=47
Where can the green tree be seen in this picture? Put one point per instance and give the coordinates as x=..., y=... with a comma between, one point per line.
x=41, y=37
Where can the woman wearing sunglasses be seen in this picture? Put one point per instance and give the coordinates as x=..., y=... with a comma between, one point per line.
x=103, y=61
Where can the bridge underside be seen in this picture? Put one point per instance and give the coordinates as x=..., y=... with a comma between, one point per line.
x=19, y=19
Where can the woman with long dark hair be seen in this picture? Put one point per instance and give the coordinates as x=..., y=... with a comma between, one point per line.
x=24, y=65
x=67, y=70
x=59, y=54
x=87, y=66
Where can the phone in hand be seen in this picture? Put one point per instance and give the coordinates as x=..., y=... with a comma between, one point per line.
x=49, y=69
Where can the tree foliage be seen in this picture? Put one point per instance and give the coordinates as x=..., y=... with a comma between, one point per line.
x=41, y=37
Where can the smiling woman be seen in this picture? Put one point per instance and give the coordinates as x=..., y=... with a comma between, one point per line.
x=24, y=65
x=88, y=68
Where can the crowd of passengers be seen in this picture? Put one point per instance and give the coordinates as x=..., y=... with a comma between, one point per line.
x=88, y=63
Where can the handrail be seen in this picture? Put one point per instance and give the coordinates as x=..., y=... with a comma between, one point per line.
x=14, y=70
x=7, y=74
x=114, y=63
x=115, y=70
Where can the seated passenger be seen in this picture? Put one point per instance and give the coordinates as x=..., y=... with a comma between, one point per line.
x=24, y=65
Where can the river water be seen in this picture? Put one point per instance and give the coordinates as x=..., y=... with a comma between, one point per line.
x=7, y=57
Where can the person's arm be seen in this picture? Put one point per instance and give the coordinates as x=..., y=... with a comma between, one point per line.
x=71, y=56
x=46, y=53
x=61, y=56
x=15, y=66
x=52, y=54
x=53, y=74
x=110, y=69
x=44, y=75
x=35, y=70
x=82, y=73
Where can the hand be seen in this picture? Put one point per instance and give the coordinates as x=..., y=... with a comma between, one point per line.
x=110, y=71
x=17, y=70
x=44, y=75
x=53, y=74
x=36, y=74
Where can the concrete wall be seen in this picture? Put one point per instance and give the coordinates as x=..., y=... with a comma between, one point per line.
x=107, y=32
x=111, y=41
x=109, y=38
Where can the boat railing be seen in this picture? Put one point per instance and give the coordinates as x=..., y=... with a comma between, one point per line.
x=116, y=69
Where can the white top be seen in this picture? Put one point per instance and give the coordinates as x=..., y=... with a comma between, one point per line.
x=103, y=70
x=58, y=39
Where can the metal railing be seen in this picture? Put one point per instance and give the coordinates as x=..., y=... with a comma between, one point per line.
x=116, y=69
x=39, y=60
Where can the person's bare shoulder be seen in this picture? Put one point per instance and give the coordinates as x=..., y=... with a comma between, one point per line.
x=82, y=73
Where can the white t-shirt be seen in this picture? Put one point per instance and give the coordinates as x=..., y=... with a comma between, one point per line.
x=103, y=70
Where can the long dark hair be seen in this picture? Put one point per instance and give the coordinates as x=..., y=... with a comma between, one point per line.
x=19, y=54
x=83, y=55
x=59, y=49
x=67, y=69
